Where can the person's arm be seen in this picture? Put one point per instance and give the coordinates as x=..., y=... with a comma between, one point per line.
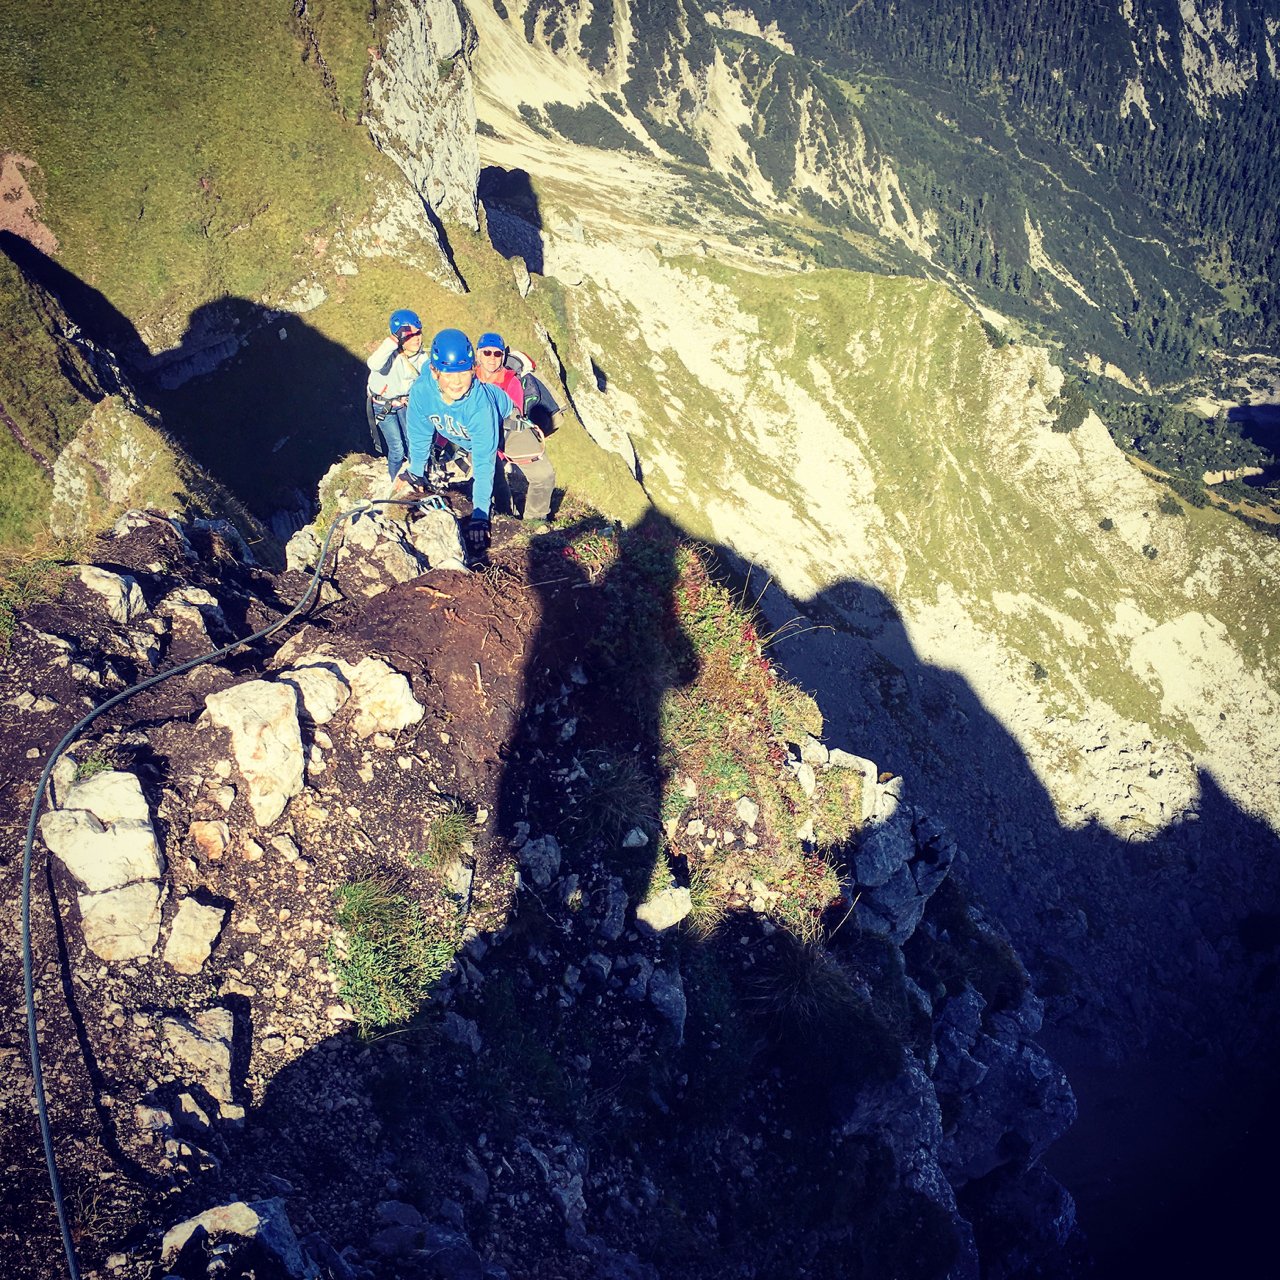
x=418, y=427
x=380, y=365
x=484, y=446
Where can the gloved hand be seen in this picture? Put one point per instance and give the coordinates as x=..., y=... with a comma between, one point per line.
x=437, y=477
x=476, y=535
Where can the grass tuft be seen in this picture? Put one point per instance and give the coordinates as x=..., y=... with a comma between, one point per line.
x=619, y=795
x=24, y=583
x=96, y=762
x=446, y=836
x=389, y=953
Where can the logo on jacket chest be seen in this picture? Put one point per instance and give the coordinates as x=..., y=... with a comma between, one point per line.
x=447, y=425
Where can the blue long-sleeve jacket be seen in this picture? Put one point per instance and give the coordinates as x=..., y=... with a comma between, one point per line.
x=473, y=424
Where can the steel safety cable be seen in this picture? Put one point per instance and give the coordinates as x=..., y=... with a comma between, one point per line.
x=37, y=1074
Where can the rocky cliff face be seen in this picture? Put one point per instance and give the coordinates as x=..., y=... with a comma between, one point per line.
x=422, y=106
x=879, y=1101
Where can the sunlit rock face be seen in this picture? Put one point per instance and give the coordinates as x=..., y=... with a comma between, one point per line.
x=422, y=106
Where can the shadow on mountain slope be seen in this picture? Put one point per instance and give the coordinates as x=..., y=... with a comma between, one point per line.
x=85, y=306
x=512, y=212
x=593, y=1091
x=1161, y=992
x=261, y=400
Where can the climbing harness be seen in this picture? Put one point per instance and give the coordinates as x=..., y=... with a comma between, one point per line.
x=430, y=502
x=381, y=408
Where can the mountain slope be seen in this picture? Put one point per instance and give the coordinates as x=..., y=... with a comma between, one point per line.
x=839, y=426
x=975, y=144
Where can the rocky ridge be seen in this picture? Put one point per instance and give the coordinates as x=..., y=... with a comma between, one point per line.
x=218, y=1108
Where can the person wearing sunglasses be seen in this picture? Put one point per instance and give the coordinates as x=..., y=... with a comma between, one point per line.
x=491, y=355
x=393, y=369
x=526, y=473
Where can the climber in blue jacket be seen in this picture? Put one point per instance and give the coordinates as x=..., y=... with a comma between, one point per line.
x=454, y=405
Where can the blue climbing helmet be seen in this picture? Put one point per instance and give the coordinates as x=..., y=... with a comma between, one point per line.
x=491, y=340
x=451, y=352
x=402, y=320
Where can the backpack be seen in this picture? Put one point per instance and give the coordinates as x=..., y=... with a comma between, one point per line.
x=532, y=391
x=522, y=442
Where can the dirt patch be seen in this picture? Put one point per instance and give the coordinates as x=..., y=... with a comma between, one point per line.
x=466, y=643
x=19, y=211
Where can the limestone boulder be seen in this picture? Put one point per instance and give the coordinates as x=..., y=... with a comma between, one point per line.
x=194, y=609
x=434, y=535
x=321, y=686
x=839, y=759
x=302, y=550
x=203, y=1043
x=664, y=909
x=377, y=549
x=266, y=742
x=887, y=843
x=120, y=593
x=262, y=1224
x=540, y=858
x=191, y=937
x=103, y=833
x=384, y=699
x=122, y=924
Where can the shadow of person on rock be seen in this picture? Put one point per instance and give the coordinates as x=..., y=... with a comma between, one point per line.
x=592, y=1083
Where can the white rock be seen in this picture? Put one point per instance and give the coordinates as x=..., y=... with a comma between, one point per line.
x=122, y=924
x=384, y=699
x=383, y=552
x=321, y=687
x=120, y=592
x=870, y=773
x=186, y=601
x=103, y=835
x=434, y=534
x=747, y=810
x=264, y=1221
x=203, y=1043
x=302, y=550
x=191, y=938
x=664, y=909
x=422, y=107
x=266, y=741
x=521, y=272
x=113, y=796
x=541, y=859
